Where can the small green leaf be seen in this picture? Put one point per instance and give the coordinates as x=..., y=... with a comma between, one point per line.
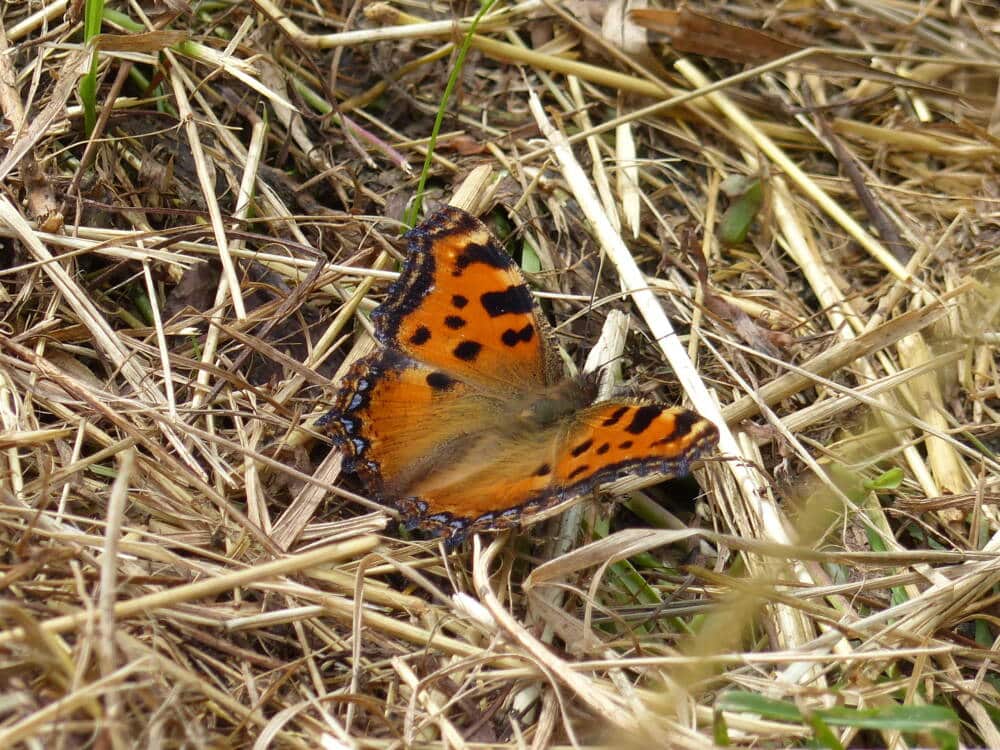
x=945, y=740
x=823, y=734
x=738, y=218
x=530, y=262
x=888, y=480
x=940, y=722
x=768, y=708
x=106, y=472
x=898, y=718
x=143, y=306
x=720, y=732
x=93, y=11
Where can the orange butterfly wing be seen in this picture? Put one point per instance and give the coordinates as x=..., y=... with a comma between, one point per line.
x=436, y=453
x=613, y=438
x=462, y=305
x=397, y=420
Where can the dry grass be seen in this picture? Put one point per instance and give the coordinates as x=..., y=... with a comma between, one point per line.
x=183, y=566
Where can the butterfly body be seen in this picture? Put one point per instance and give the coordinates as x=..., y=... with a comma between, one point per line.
x=462, y=419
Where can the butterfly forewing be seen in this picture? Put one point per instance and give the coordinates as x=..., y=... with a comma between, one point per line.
x=397, y=419
x=462, y=305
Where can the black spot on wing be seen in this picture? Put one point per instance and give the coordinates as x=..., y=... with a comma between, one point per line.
x=615, y=416
x=458, y=301
x=421, y=336
x=439, y=381
x=514, y=300
x=468, y=351
x=684, y=421
x=603, y=448
x=510, y=337
x=582, y=469
x=454, y=322
x=542, y=470
x=490, y=254
x=643, y=418
x=625, y=444
x=683, y=426
x=582, y=448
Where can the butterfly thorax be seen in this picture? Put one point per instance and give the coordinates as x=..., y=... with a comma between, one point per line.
x=556, y=403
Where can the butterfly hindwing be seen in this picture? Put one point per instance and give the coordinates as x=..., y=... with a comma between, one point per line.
x=533, y=471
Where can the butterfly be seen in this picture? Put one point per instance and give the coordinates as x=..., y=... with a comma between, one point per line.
x=463, y=419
